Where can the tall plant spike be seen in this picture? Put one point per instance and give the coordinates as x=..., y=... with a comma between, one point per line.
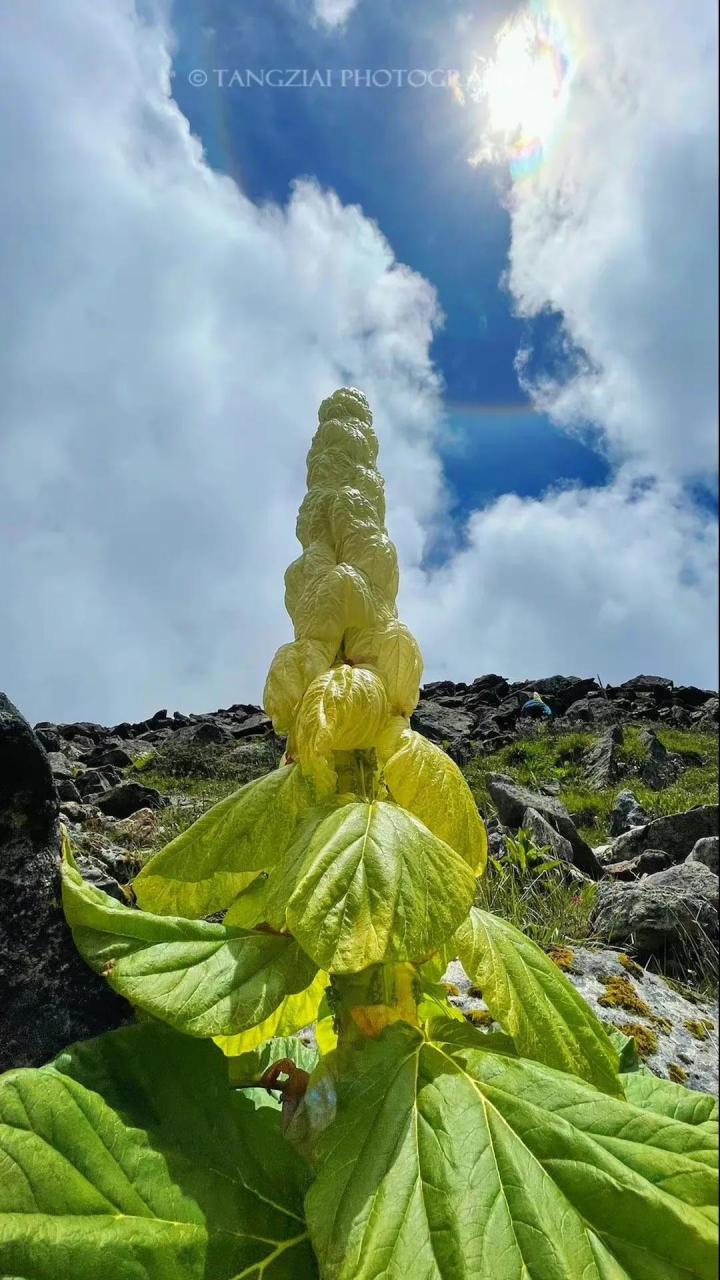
x=408, y=1143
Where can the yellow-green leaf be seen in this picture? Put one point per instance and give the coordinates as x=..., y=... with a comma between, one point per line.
x=390, y=649
x=426, y=781
x=292, y=1015
x=206, y=867
x=343, y=710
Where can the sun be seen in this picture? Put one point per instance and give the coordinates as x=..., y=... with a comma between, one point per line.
x=524, y=88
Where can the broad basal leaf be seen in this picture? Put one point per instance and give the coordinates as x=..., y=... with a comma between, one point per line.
x=204, y=979
x=449, y=1162
x=227, y=1157
x=368, y=882
x=423, y=779
x=205, y=867
x=84, y=1195
x=294, y=1013
x=546, y=1017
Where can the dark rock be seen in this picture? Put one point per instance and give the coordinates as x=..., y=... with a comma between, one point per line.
x=662, y=913
x=127, y=797
x=48, y=995
x=627, y=812
x=49, y=737
x=96, y=874
x=660, y=768
x=60, y=766
x=108, y=753
x=676, y=833
x=92, y=782
x=512, y=800
x=560, y=692
x=602, y=760
x=594, y=711
x=73, y=811
x=66, y=789
x=688, y=695
x=84, y=730
x=207, y=731
x=644, y=864
x=253, y=726
x=706, y=851
x=658, y=686
x=442, y=724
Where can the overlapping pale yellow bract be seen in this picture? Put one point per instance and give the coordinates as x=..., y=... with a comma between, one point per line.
x=351, y=678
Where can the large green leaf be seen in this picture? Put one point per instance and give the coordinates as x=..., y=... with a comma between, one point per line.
x=449, y=1162
x=547, y=1018
x=202, y=1185
x=291, y=1015
x=205, y=867
x=204, y=979
x=83, y=1195
x=367, y=883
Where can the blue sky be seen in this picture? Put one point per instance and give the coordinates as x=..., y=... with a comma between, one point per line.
x=188, y=271
x=401, y=154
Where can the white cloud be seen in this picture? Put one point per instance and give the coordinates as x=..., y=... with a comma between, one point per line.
x=616, y=230
x=165, y=345
x=334, y=12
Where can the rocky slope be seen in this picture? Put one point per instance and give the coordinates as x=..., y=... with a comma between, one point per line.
x=619, y=787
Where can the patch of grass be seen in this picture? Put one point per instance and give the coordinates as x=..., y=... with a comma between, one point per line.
x=544, y=907
x=546, y=755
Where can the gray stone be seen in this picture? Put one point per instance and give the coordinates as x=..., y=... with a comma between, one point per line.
x=664, y=913
x=48, y=995
x=91, y=782
x=644, y=864
x=602, y=763
x=512, y=800
x=543, y=834
x=60, y=766
x=66, y=789
x=208, y=731
x=627, y=812
x=660, y=768
x=676, y=833
x=98, y=875
x=253, y=727
x=707, y=851
x=127, y=797
x=681, y=1030
x=442, y=724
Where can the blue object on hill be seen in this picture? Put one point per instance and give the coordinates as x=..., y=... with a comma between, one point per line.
x=535, y=707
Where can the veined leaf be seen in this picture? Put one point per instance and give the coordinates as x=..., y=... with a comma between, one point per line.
x=226, y=1156
x=528, y=995
x=665, y=1098
x=293, y=668
x=449, y=1162
x=316, y=560
x=206, y=867
x=390, y=649
x=248, y=909
x=342, y=710
x=81, y=1194
x=204, y=979
x=292, y=1015
x=423, y=779
x=368, y=882
x=341, y=598
x=374, y=553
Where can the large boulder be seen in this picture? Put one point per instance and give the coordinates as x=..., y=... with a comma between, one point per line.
x=512, y=800
x=449, y=727
x=668, y=912
x=676, y=833
x=602, y=762
x=674, y=1030
x=48, y=996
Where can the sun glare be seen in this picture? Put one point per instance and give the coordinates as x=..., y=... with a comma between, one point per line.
x=524, y=88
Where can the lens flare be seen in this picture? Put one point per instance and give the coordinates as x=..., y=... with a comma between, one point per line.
x=525, y=89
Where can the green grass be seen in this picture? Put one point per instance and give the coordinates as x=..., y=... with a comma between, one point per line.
x=544, y=755
x=544, y=907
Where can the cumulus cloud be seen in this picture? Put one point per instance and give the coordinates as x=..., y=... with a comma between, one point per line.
x=165, y=345
x=616, y=232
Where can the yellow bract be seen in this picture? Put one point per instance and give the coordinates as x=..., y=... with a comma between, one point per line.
x=392, y=651
x=423, y=779
x=293, y=668
x=343, y=710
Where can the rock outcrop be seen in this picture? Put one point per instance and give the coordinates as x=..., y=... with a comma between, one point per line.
x=48, y=996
